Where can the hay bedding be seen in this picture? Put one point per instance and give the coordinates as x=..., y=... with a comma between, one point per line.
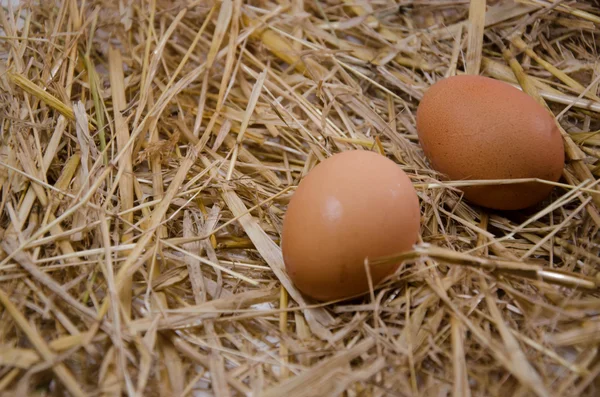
x=149, y=148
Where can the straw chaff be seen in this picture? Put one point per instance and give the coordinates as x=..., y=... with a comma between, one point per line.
x=148, y=151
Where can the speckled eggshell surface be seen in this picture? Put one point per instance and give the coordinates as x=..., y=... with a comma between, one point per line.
x=352, y=206
x=474, y=127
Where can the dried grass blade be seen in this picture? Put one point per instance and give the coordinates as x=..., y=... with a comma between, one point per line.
x=11, y=246
x=520, y=366
x=215, y=265
x=256, y=90
x=18, y=357
x=26, y=159
x=502, y=11
x=562, y=76
x=86, y=147
x=186, y=349
x=61, y=371
x=217, y=364
x=98, y=104
x=222, y=24
x=116, y=303
x=271, y=253
x=475, y=35
x=589, y=334
x=50, y=100
x=461, y=380
x=318, y=372
x=193, y=264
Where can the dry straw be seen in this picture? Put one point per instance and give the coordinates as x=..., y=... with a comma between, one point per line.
x=148, y=150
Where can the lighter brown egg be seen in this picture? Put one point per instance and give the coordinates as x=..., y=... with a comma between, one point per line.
x=473, y=127
x=355, y=205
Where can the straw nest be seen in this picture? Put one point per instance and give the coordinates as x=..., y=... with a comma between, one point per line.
x=149, y=149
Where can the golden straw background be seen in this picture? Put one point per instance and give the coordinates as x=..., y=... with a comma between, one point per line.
x=148, y=150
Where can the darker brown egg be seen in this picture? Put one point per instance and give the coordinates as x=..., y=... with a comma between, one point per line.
x=473, y=127
x=354, y=206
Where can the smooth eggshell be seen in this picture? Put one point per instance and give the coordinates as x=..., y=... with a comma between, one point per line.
x=353, y=206
x=473, y=127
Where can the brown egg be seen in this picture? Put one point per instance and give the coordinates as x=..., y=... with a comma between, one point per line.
x=353, y=206
x=473, y=127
